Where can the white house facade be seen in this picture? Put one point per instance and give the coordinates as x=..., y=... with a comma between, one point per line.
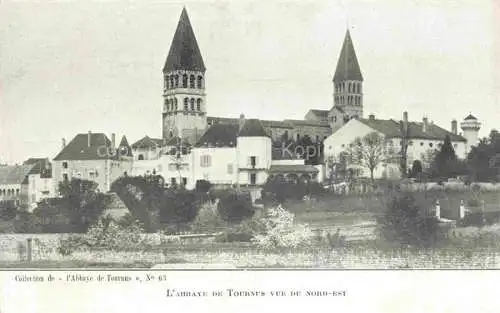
x=423, y=138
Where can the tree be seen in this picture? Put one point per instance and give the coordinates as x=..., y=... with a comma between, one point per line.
x=416, y=169
x=483, y=160
x=369, y=151
x=85, y=204
x=179, y=207
x=403, y=223
x=446, y=164
x=234, y=207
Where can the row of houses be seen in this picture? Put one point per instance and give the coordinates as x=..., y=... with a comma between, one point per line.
x=227, y=155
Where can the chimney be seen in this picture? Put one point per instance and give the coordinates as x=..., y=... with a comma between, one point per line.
x=371, y=117
x=89, y=136
x=63, y=143
x=113, y=137
x=454, y=128
x=425, y=124
x=241, y=121
x=405, y=117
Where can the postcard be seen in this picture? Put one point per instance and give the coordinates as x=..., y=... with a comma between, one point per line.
x=239, y=155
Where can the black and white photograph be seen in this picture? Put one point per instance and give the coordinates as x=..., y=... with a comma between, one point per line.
x=250, y=135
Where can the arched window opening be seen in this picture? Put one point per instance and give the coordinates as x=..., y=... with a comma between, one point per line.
x=165, y=82
x=184, y=81
x=172, y=81
x=200, y=82
x=298, y=137
x=175, y=104
x=186, y=104
x=192, y=104
x=176, y=80
x=198, y=104
x=191, y=81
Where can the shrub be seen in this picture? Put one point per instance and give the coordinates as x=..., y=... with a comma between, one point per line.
x=105, y=234
x=281, y=232
x=203, y=185
x=208, y=218
x=235, y=207
x=403, y=223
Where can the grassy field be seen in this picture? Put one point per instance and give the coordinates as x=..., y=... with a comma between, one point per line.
x=335, y=210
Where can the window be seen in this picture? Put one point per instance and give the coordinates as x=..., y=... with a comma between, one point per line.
x=184, y=81
x=455, y=145
x=65, y=177
x=186, y=105
x=175, y=104
x=184, y=181
x=230, y=168
x=253, y=161
x=205, y=161
x=335, y=119
x=430, y=144
x=198, y=104
x=65, y=164
x=421, y=144
x=192, y=104
x=200, y=82
x=253, y=178
x=167, y=80
x=172, y=82
x=17, y=192
x=176, y=80
x=141, y=157
x=191, y=82
x=173, y=182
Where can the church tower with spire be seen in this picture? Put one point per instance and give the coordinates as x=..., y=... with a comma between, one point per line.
x=184, y=106
x=347, y=85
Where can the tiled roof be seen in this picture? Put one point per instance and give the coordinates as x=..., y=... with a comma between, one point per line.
x=293, y=168
x=308, y=123
x=219, y=135
x=184, y=52
x=124, y=145
x=146, y=143
x=319, y=113
x=276, y=124
x=41, y=166
x=470, y=117
x=391, y=129
x=222, y=120
x=347, y=65
x=339, y=109
x=252, y=128
x=79, y=149
x=16, y=174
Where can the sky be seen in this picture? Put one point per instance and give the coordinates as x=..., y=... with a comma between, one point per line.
x=67, y=67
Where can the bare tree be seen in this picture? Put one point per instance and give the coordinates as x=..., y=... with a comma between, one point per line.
x=369, y=151
x=177, y=158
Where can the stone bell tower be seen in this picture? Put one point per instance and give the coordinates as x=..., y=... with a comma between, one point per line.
x=184, y=108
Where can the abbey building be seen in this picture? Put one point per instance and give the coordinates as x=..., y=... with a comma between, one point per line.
x=239, y=151
x=184, y=95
